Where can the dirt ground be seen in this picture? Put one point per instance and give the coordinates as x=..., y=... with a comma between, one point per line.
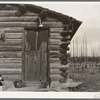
x=9, y=86
x=91, y=80
x=91, y=83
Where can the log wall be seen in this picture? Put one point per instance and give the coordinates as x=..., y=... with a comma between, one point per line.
x=12, y=48
x=55, y=40
x=11, y=52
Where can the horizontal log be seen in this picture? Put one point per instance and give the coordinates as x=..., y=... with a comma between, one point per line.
x=54, y=54
x=53, y=24
x=55, y=36
x=57, y=65
x=55, y=77
x=10, y=54
x=13, y=29
x=30, y=24
x=10, y=60
x=50, y=19
x=24, y=19
x=10, y=48
x=6, y=71
x=54, y=47
x=55, y=41
x=28, y=13
x=17, y=24
x=59, y=42
x=14, y=35
x=57, y=54
x=18, y=19
x=54, y=60
x=54, y=51
x=12, y=77
x=9, y=13
x=11, y=42
x=56, y=30
x=10, y=65
x=55, y=71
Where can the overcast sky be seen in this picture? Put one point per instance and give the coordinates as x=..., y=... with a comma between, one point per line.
x=88, y=13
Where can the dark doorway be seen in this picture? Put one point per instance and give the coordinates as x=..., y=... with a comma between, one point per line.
x=36, y=55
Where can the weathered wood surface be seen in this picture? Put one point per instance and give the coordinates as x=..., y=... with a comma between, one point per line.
x=10, y=48
x=10, y=60
x=55, y=77
x=23, y=18
x=57, y=65
x=11, y=65
x=55, y=71
x=9, y=13
x=50, y=19
x=18, y=19
x=55, y=36
x=13, y=29
x=56, y=30
x=54, y=54
x=14, y=35
x=5, y=71
x=8, y=70
x=12, y=77
x=30, y=24
x=52, y=60
x=55, y=41
x=58, y=42
x=54, y=47
x=10, y=42
x=57, y=54
x=10, y=54
x=58, y=36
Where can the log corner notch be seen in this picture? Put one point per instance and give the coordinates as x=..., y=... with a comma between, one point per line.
x=68, y=32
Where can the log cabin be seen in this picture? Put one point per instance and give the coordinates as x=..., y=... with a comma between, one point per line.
x=31, y=38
